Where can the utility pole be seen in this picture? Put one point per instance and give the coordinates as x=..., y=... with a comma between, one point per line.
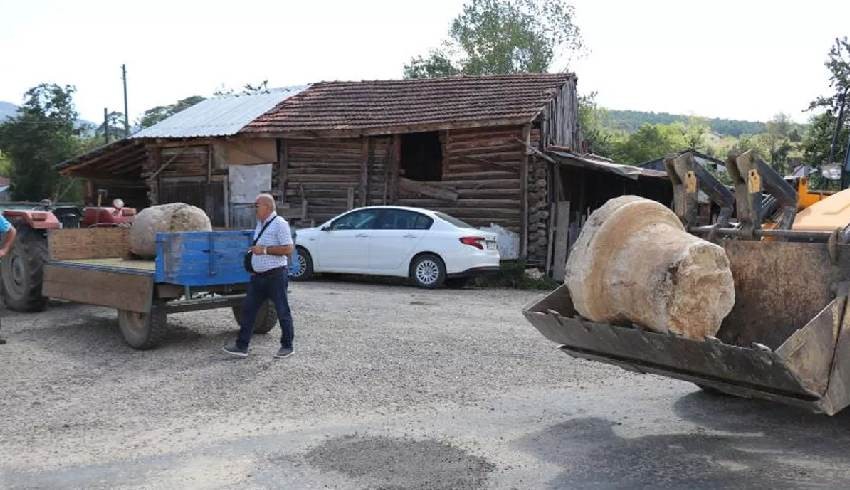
x=106, y=124
x=126, y=116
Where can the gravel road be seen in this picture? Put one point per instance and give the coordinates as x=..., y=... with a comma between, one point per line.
x=390, y=387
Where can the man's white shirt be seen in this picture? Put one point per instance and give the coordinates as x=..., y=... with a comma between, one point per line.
x=277, y=234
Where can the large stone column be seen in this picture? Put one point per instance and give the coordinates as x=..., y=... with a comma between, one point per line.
x=634, y=263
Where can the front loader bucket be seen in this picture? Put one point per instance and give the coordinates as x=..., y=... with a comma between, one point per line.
x=787, y=338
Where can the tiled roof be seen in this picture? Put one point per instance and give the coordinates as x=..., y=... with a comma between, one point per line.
x=384, y=104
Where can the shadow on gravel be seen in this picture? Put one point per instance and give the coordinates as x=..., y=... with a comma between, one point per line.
x=90, y=334
x=401, y=463
x=762, y=445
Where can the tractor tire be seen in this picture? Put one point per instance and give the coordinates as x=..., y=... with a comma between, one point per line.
x=22, y=271
x=143, y=331
x=266, y=318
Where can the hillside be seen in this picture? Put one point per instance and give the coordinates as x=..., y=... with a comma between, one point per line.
x=7, y=110
x=630, y=121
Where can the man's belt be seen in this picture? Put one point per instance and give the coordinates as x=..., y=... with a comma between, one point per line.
x=270, y=272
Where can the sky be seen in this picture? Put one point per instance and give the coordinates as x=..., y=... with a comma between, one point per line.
x=743, y=59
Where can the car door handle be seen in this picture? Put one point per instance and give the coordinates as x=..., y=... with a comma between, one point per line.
x=409, y=236
x=361, y=235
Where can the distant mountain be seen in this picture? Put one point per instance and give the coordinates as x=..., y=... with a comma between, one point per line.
x=630, y=121
x=7, y=110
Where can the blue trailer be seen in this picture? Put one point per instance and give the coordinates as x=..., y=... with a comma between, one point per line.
x=192, y=271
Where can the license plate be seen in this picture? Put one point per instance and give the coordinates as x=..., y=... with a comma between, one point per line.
x=491, y=245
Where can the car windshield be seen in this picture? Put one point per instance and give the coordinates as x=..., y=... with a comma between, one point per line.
x=453, y=220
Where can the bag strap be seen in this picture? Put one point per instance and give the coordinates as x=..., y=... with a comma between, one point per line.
x=263, y=230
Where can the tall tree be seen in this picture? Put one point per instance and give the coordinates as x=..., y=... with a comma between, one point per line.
x=501, y=36
x=158, y=113
x=837, y=113
x=42, y=134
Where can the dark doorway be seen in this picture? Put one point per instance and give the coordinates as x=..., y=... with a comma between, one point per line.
x=422, y=156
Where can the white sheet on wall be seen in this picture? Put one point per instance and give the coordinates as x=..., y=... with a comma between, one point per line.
x=246, y=181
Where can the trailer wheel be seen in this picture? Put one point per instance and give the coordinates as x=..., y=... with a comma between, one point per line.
x=22, y=272
x=266, y=318
x=143, y=331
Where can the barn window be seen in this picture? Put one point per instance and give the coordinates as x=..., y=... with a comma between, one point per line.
x=422, y=156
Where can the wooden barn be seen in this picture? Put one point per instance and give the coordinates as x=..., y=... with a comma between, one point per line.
x=488, y=150
x=460, y=145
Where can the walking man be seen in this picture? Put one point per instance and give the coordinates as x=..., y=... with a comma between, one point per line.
x=8, y=231
x=273, y=243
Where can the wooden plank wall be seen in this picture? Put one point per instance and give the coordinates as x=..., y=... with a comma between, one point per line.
x=324, y=171
x=186, y=161
x=483, y=166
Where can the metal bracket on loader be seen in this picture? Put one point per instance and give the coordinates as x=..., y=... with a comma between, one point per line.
x=752, y=177
x=688, y=178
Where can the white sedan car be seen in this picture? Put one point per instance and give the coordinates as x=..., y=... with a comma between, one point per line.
x=429, y=247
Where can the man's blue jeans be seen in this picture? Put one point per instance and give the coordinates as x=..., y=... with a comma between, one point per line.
x=261, y=288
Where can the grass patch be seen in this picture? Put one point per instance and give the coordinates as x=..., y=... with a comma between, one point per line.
x=512, y=275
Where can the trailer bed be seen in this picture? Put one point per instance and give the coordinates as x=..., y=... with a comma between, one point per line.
x=113, y=264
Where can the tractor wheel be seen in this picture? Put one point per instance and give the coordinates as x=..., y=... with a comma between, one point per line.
x=22, y=271
x=266, y=318
x=143, y=331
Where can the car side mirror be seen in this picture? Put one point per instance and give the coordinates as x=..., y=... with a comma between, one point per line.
x=325, y=228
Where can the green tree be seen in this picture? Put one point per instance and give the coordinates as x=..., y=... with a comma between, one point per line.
x=42, y=134
x=158, y=113
x=593, y=121
x=5, y=165
x=501, y=36
x=818, y=142
x=114, y=128
x=694, y=133
x=651, y=141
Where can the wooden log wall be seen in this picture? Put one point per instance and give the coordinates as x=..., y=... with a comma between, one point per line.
x=325, y=171
x=483, y=167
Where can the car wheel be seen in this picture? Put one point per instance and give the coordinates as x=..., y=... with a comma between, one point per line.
x=428, y=271
x=305, y=266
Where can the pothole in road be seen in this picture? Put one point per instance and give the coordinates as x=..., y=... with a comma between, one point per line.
x=401, y=463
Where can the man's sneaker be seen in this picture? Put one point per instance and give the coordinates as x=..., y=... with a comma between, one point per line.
x=235, y=351
x=283, y=352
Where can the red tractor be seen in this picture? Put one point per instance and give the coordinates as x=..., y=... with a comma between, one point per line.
x=22, y=269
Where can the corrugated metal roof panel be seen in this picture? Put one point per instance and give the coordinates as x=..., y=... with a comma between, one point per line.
x=599, y=163
x=219, y=116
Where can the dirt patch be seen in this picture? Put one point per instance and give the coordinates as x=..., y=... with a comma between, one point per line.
x=401, y=463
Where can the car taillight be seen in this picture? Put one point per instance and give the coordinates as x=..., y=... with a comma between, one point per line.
x=473, y=241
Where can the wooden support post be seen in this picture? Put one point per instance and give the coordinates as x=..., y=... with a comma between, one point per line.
x=395, y=168
x=349, y=203
x=283, y=168
x=523, y=188
x=364, y=171
x=562, y=241
x=553, y=210
x=154, y=157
